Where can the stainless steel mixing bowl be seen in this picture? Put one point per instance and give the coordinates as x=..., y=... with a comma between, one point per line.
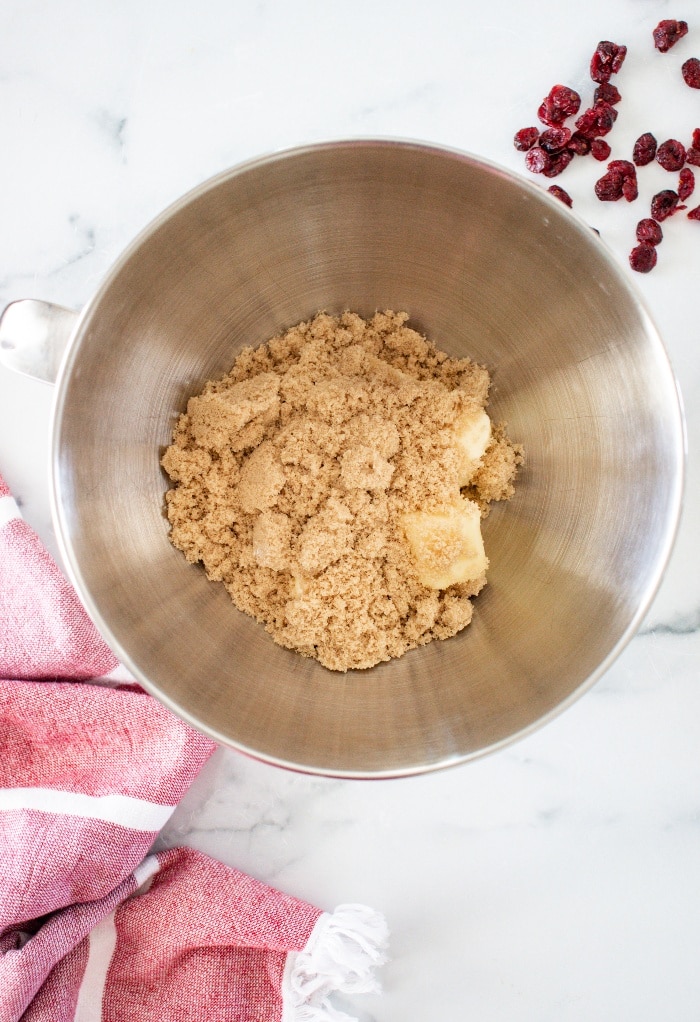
x=488, y=266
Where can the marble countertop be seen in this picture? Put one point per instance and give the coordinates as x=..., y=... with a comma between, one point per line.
x=557, y=880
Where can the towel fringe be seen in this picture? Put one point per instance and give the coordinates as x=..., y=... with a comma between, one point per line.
x=341, y=956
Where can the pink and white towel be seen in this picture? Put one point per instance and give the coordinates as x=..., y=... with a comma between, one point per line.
x=92, y=927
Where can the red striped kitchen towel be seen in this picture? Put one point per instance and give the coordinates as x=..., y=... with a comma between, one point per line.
x=92, y=927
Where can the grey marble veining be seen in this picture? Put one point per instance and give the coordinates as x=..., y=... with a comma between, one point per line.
x=558, y=880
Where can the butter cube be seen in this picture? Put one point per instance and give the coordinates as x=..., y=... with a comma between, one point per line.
x=473, y=435
x=447, y=545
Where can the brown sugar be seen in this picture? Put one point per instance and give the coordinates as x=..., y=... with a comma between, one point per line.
x=322, y=481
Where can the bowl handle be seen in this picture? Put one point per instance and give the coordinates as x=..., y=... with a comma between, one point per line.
x=33, y=337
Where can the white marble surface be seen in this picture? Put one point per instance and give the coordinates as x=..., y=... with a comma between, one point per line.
x=559, y=880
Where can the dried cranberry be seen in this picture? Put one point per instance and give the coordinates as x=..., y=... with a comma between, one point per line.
x=624, y=167
x=644, y=149
x=671, y=155
x=565, y=99
x=694, y=214
x=692, y=153
x=607, y=60
x=553, y=140
x=691, y=73
x=550, y=114
x=579, y=144
x=667, y=33
x=600, y=150
x=587, y=124
x=607, y=114
x=664, y=204
x=525, y=139
x=607, y=93
x=537, y=159
x=649, y=231
x=628, y=173
x=608, y=188
x=686, y=184
x=597, y=120
x=618, y=56
x=560, y=102
x=559, y=193
x=643, y=257
x=629, y=188
x=558, y=163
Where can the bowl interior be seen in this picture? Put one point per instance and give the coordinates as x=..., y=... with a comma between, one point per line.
x=486, y=266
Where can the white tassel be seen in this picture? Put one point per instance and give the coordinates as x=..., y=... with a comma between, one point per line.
x=341, y=956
